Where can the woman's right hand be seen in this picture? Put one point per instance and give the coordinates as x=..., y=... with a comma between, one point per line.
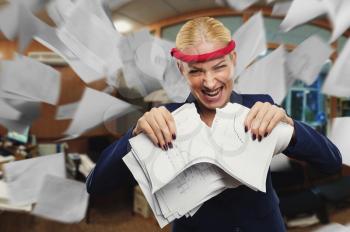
x=159, y=125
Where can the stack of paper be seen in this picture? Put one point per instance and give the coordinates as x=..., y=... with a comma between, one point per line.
x=204, y=161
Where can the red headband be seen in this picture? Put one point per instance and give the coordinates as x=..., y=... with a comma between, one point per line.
x=203, y=57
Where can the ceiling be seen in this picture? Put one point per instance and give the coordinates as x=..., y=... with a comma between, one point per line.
x=144, y=12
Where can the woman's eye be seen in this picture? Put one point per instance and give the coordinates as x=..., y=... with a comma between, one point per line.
x=194, y=72
x=220, y=67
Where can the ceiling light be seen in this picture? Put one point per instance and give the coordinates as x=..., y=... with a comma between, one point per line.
x=123, y=26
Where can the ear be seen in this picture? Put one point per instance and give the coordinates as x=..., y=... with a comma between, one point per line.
x=233, y=55
x=180, y=67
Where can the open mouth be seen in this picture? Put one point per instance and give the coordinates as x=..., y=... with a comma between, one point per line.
x=213, y=93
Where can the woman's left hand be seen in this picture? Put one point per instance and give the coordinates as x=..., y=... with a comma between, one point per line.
x=263, y=117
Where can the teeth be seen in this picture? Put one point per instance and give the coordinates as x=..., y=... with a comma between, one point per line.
x=213, y=93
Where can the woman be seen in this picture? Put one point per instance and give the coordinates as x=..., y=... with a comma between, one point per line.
x=206, y=58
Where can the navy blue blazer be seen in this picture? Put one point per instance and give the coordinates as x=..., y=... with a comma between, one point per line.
x=239, y=209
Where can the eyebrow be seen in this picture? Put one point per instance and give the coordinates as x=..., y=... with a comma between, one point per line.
x=197, y=68
x=220, y=62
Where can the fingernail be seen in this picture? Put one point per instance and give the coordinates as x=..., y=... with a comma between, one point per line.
x=254, y=136
x=165, y=147
x=159, y=145
x=245, y=129
x=259, y=138
x=266, y=134
x=170, y=145
x=174, y=136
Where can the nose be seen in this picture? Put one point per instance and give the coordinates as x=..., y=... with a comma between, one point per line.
x=209, y=80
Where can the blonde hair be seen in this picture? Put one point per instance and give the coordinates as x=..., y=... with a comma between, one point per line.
x=202, y=29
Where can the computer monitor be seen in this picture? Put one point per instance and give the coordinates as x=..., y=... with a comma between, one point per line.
x=19, y=137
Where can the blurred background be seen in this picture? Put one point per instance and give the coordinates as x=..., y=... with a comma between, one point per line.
x=309, y=200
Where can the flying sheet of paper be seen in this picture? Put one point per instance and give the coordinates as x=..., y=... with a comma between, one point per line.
x=29, y=112
x=4, y=201
x=14, y=96
x=150, y=58
x=10, y=15
x=9, y=20
x=31, y=78
x=265, y=76
x=99, y=8
x=249, y=47
x=143, y=63
x=25, y=177
x=306, y=61
x=281, y=8
x=338, y=13
x=100, y=51
x=240, y=5
x=174, y=84
x=301, y=12
x=115, y=4
x=339, y=135
x=94, y=108
x=26, y=28
x=47, y=36
x=337, y=82
x=58, y=10
x=66, y=111
x=8, y=112
x=62, y=200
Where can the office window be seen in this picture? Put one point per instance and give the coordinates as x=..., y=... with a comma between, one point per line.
x=295, y=36
x=306, y=102
x=340, y=43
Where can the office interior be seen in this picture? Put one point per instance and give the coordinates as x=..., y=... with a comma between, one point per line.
x=308, y=199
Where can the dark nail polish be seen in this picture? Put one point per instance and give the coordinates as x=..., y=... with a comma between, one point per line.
x=245, y=129
x=174, y=136
x=170, y=145
x=259, y=138
x=159, y=145
x=165, y=147
x=254, y=136
x=266, y=134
